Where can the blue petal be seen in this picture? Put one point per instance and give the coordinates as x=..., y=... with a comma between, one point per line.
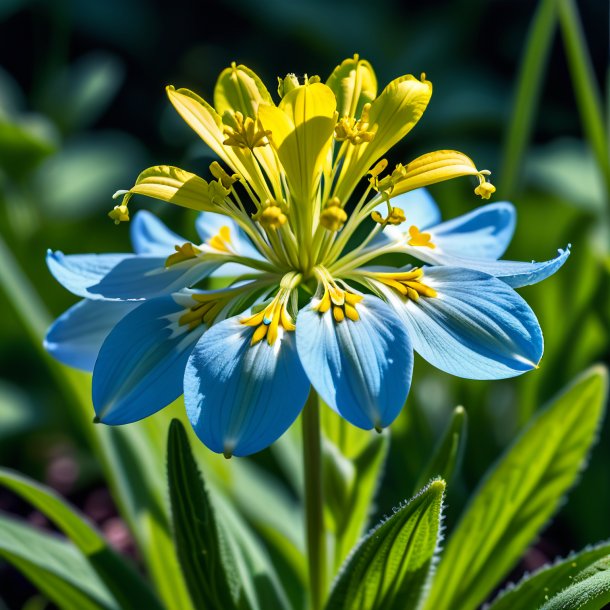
x=240, y=398
x=150, y=236
x=477, y=327
x=361, y=369
x=208, y=224
x=483, y=233
x=76, y=337
x=140, y=367
x=125, y=277
x=419, y=208
x=514, y=273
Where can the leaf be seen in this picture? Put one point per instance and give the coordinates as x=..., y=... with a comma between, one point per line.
x=390, y=567
x=590, y=590
x=536, y=588
x=17, y=413
x=207, y=567
x=519, y=494
x=55, y=567
x=353, y=462
x=447, y=456
x=125, y=583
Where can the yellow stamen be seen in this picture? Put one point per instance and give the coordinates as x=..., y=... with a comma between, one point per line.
x=356, y=131
x=406, y=283
x=485, y=189
x=222, y=240
x=343, y=302
x=395, y=217
x=333, y=216
x=245, y=133
x=222, y=176
x=120, y=213
x=274, y=316
x=272, y=216
x=420, y=239
x=184, y=252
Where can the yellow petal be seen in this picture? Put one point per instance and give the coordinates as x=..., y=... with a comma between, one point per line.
x=434, y=167
x=174, y=185
x=239, y=88
x=354, y=84
x=301, y=132
x=206, y=122
x=392, y=116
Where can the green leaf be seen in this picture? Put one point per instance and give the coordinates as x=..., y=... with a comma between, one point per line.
x=353, y=462
x=589, y=591
x=207, y=565
x=447, y=456
x=17, y=412
x=391, y=566
x=536, y=588
x=120, y=577
x=55, y=567
x=519, y=494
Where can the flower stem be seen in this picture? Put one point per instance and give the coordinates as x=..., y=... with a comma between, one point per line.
x=314, y=502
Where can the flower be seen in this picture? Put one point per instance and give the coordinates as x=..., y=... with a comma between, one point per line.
x=309, y=305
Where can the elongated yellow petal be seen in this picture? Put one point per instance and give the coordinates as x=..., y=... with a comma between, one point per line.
x=174, y=185
x=391, y=117
x=434, y=167
x=301, y=132
x=239, y=89
x=207, y=123
x=354, y=84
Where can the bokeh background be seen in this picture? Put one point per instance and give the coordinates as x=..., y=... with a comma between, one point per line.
x=83, y=110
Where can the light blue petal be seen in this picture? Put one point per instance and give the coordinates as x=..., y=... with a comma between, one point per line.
x=420, y=210
x=477, y=327
x=240, y=398
x=127, y=277
x=150, y=236
x=76, y=337
x=361, y=369
x=140, y=367
x=482, y=233
x=514, y=273
x=419, y=207
x=208, y=224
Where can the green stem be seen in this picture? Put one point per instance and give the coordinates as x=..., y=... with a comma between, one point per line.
x=314, y=502
x=526, y=96
x=585, y=86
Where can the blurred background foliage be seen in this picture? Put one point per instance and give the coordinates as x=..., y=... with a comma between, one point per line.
x=83, y=110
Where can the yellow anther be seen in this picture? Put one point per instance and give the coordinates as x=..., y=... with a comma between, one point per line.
x=356, y=131
x=222, y=240
x=419, y=239
x=378, y=168
x=485, y=190
x=271, y=318
x=395, y=217
x=342, y=301
x=184, y=252
x=406, y=283
x=222, y=176
x=205, y=311
x=245, y=133
x=338, y=314
x=272, y=217
x=120, y=213
x=333, y=216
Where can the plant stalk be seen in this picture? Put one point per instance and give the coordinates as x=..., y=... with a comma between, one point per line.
x=314, y=501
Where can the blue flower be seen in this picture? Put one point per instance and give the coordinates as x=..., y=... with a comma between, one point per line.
x=310, y=304
x=244, y=387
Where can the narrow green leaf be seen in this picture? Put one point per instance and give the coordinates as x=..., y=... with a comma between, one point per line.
x=125, y=583
x=208, y=570
x=529, y=83
x=354, y=459
x=534, y=589
x=447, y=456
x=390, y=567
x=589, y=591
x=55, y=567
x=519, y=494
